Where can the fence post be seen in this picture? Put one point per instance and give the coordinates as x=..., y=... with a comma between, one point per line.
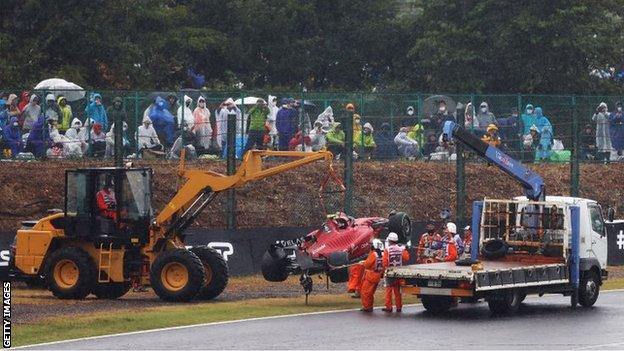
x=136, y=125
x=574, y=165
x=302, y=119
x=348, y=161
x=231, y=169
x=118, y=135
x=460, y=176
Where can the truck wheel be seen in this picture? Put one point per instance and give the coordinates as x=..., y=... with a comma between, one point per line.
x=216, y=270
x=70, y=273
x=177, y=275
x=506, y=302
x=589, y=289
x=340, y=275
x=273, y=269
x=401, y=224
x=436, y=304
x=111, y=291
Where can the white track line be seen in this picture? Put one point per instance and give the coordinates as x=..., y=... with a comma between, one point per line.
x=240, y=321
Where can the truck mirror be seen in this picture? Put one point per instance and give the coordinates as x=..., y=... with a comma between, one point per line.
x=610, y=214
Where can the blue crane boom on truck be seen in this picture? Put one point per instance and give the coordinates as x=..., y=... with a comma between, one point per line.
x=532, y=244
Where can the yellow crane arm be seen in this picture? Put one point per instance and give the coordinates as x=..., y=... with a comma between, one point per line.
x=199, y=182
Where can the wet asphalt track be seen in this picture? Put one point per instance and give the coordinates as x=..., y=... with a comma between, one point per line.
x=542, y=323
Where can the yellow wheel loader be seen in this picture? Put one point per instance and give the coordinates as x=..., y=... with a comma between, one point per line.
x=88, y=248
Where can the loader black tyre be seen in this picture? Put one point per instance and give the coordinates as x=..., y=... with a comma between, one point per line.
x=273, y=269
x=589, y=289
x=111, y=291
x=401, y=224
x=216, y=272
x=177, y=275
x=436, y=304
x=70, y=273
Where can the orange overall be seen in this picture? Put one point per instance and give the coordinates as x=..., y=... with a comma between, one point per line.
x=356, y=273
x=394, y=256
x=373, y=272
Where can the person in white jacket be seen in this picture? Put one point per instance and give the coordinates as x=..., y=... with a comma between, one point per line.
x=77, y=134
x=224, y=109
x=70, y=149
x=407, y=146
x=326, y=118
x=271, y=118
x=147, y=137
x=186, y=114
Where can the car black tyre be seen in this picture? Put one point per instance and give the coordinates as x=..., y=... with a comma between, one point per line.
x=506, y=302
x=340, y=275
x=177, y=275
x=216, y=270
x=273, y=270
x=111, y=290
x=436, y=304
x=401, y=224
x=589, y=289
x=70, y=273
x=494, y=249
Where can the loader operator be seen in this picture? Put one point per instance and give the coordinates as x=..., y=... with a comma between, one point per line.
x=373, y=272
x=106, y=202
x=394, y=256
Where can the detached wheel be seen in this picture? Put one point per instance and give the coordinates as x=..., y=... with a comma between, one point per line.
x=507, y=302
x=589, y=289
x=436, y=304
x=70, y=273
x=401, y=224
x=340, y=275
x=215, y=270
x=274, y=268
x=177, y=275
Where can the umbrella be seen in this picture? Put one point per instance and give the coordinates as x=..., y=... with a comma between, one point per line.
x=58, y=86
x=431, y=104
x=250, y=100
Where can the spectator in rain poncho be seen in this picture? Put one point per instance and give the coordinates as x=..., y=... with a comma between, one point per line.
x=66, y=113
x=317, y=136
x=62, y=146
x=31, y=113
x=12, y=137
x=442, y=115
x=163, y=121
x=528, y=119
x=603, y=137
x=286, y=123
x=407, y=147
x=96, y=111
x=431, y=144
x=226, y=108
x=77, y=134
x=417, y=132
x=271, y=118
x=24, y=99
x=616, y=129
x=110, y=141
x=336, y=140
x=186, y=114
x=483, y=119
x=38, y=138
x=385, y=143
x=326, y=117
x=52, y=110
x=97, y=140
x=116, y=112
x=256, y=122
x=546, y=134
x=469, y=113
x=202, y=127
x=364, y=141
x=11, y=104
x=147, y=136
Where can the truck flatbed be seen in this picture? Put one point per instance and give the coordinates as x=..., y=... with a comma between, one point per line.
x=487, y=275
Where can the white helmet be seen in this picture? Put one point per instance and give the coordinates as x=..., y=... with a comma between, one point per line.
x=393, y=237
x=451, y=227
x=376, y=244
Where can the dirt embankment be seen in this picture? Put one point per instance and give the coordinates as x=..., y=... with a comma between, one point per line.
x=28, y=189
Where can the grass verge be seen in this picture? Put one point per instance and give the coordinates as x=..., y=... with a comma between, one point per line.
x=102, y=323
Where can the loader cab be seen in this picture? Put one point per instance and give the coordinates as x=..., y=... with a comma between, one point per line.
x=125, y=223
